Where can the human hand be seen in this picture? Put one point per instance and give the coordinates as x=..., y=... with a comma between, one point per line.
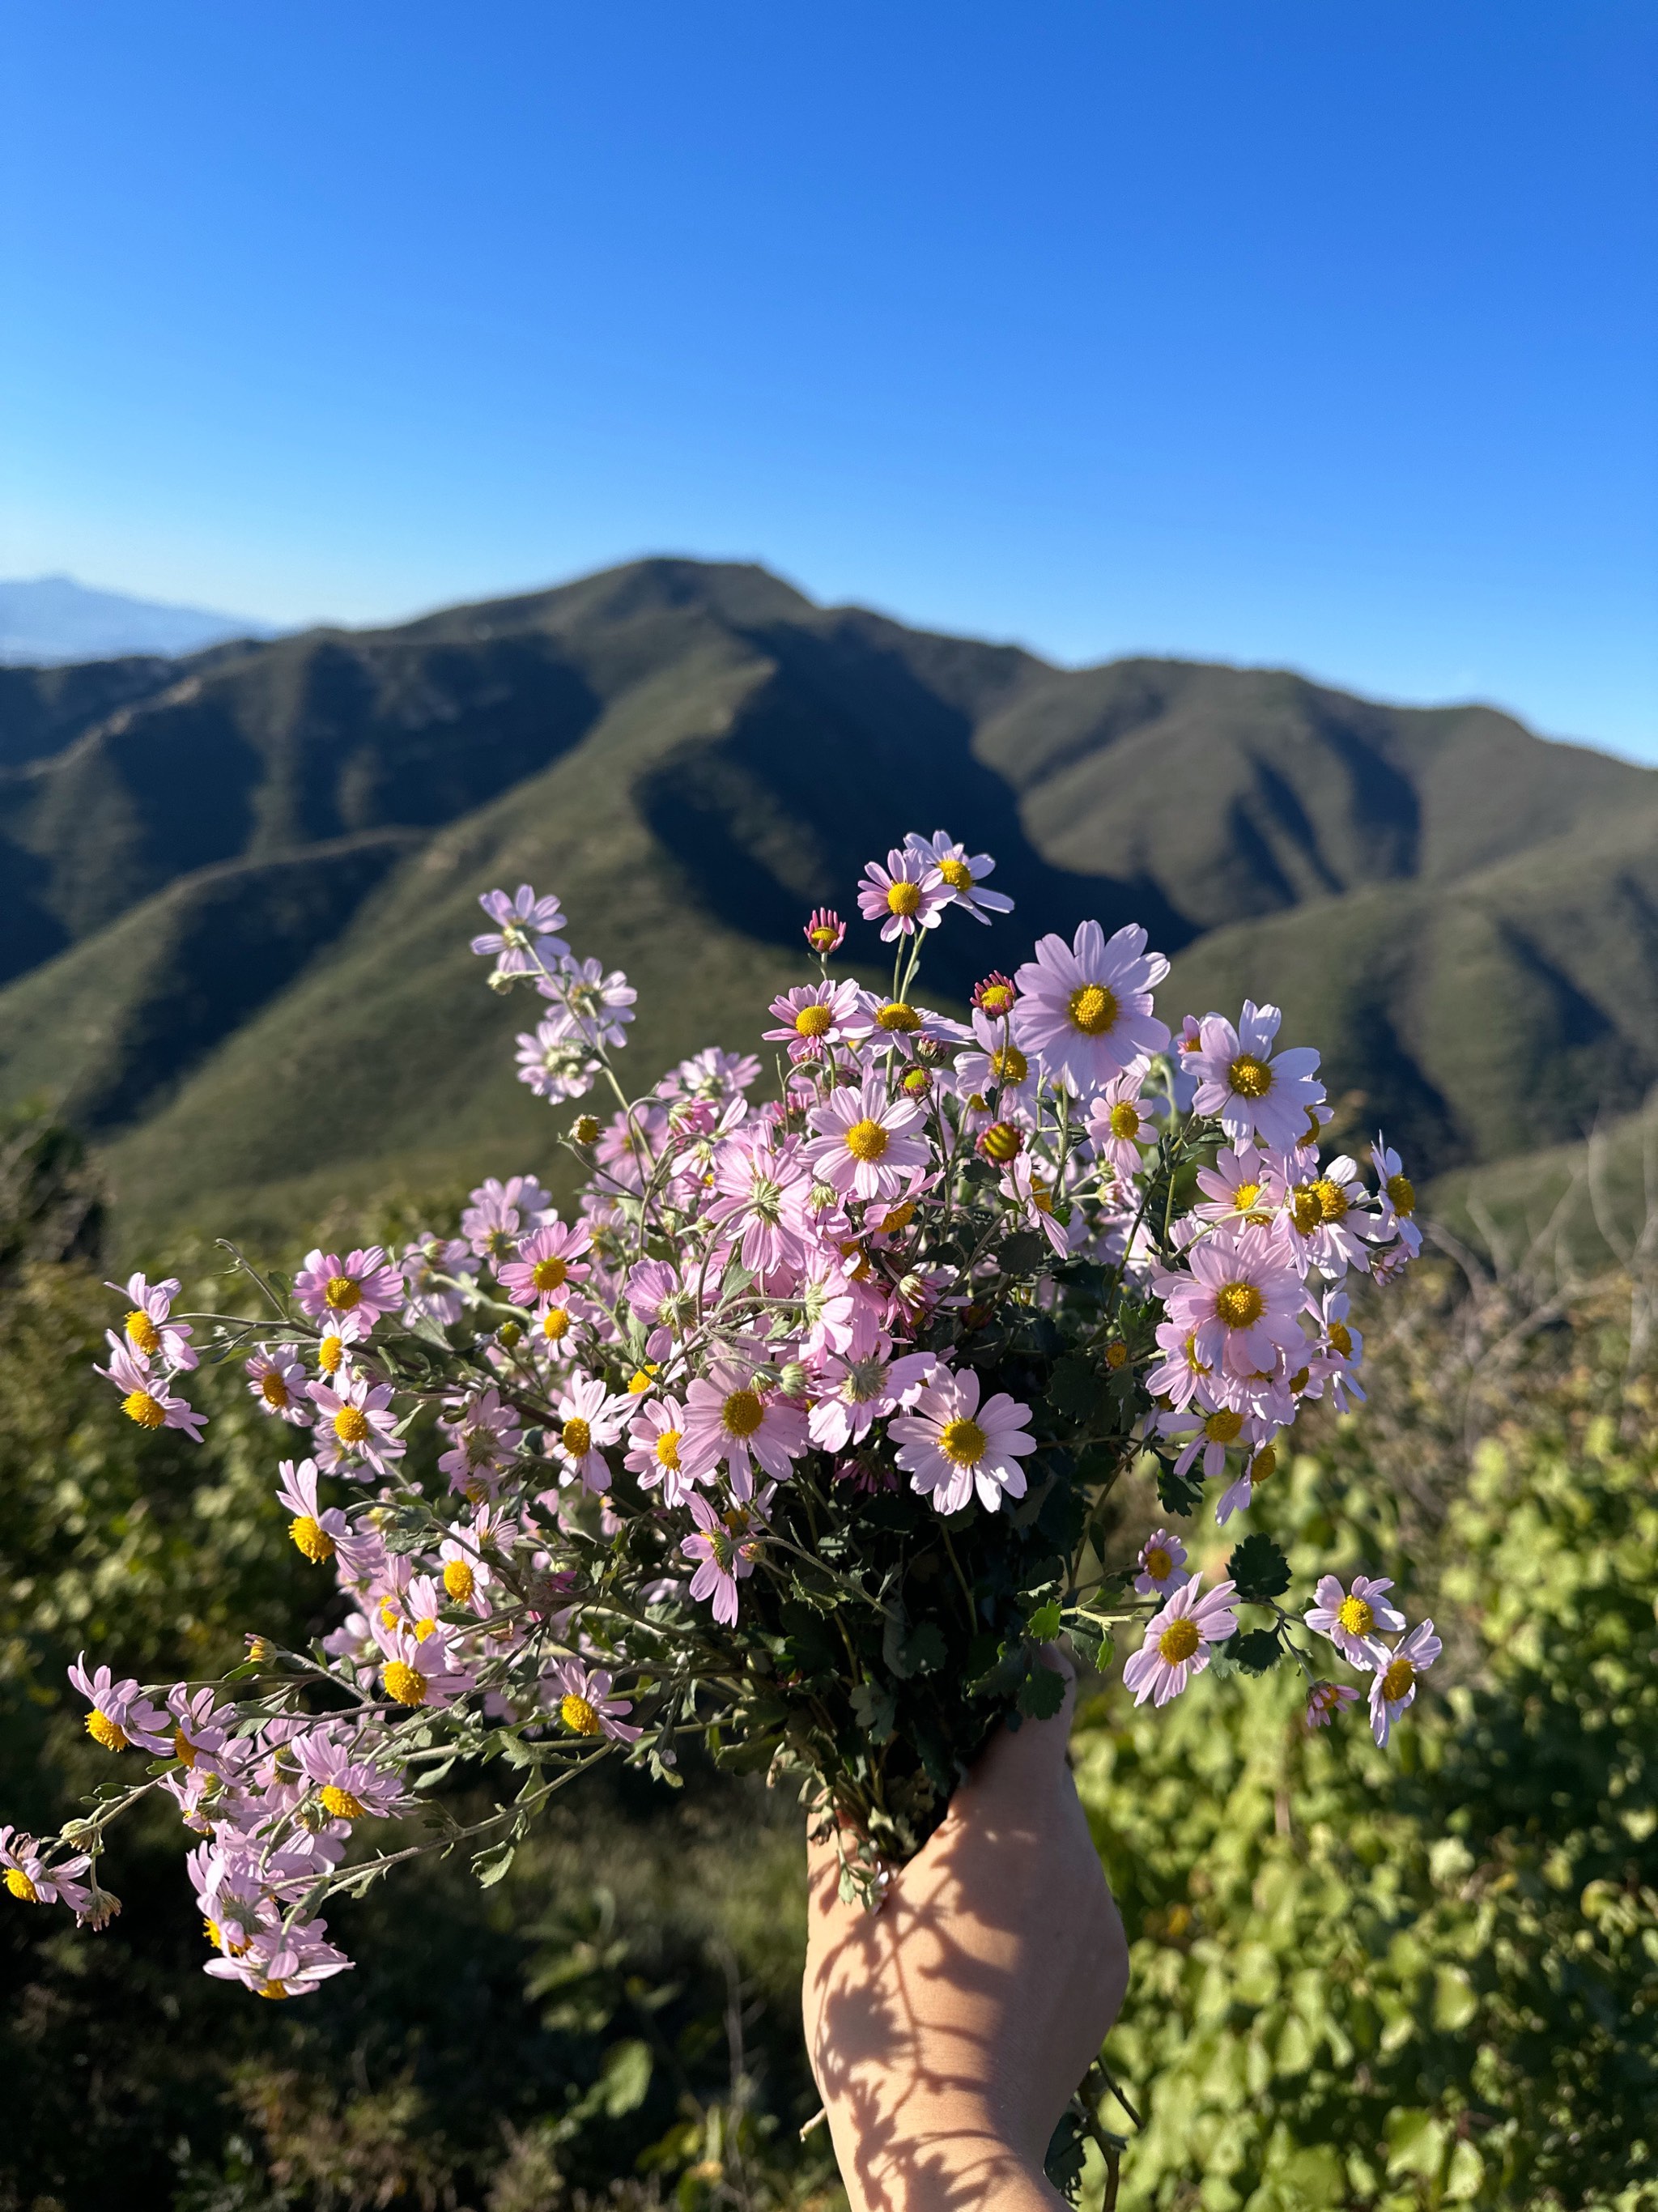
x=949, y=2029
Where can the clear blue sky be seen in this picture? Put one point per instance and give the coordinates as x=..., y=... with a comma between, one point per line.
x=1321, y=334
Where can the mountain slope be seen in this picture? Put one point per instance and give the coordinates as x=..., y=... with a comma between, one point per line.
x=54, y=618
x=234, y=895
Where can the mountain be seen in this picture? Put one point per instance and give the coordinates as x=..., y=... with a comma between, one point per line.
x=53, y=618
x=235, y=891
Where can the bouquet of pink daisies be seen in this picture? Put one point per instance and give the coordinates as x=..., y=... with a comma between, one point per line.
x=793, y=1435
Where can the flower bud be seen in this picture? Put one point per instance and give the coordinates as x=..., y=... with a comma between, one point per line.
x=586, y=1130
x=1002, y=1142
x=793, y=1381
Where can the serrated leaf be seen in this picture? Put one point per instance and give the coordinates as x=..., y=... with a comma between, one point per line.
x=1042, y=1692
x=1043, y=1625
x=1074, y=1390
x=1260, y=1570
x=491, y=1867
x=1178, y=1493
x=925, y=1648
x=876, y=1709
x=1258, y=1651
x=1022, y=1252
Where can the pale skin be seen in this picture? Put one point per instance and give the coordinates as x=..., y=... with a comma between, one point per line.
x=947, y=2030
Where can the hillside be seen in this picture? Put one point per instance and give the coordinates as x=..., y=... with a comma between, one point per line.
x=235, y=890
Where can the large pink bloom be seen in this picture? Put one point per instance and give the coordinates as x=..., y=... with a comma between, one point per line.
x=1086, y=1006
x=1252, y=1092
x=762, y=1187
x=1353, y=1620
x=1393, y=1686
x=525, y=936
x=964, y=877
x=864, y=1149
x=364, y=1284
x=1179, y=1640
x=1240, y=1304
x=950, y=1445
x=728, y=1417
x=909, y=894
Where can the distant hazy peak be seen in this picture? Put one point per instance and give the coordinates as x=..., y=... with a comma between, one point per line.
x=49, y=619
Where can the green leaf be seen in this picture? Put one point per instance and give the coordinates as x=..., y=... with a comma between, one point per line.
x=1042, y=1692
x=1043, y=1625
x=1257, y=1652
x=876, y=1709
x=1178, y=1493
x=1260, y=1570
x=1074, y=1389
x=625, y=2078
x=491, y=1867
x=1022, y=1252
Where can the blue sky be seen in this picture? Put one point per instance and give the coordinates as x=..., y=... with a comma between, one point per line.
x=1298, y=333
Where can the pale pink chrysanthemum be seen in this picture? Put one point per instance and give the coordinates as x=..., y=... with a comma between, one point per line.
x=655, y=1436
x=582, y=1698
x=599, y=1006
x=549, y=1258
x=276, y=1382
x=761, y=1187
x=121, y=1714
x=438, y=1271
x=1396, y=1223
x=864, y=1148
x=526, y=935
x=149, y=1332
x=863, y=1387
x=1120, y=1122
x=816, y=1017
x=32, y=1880
x=1393, y=1686
x=501, y=1213
x=909, y=894
x=289, y=1959
x=1179, y=1641
x=1240, y=1302
x=1034, y=1195
x=1252, y=1091
x=358, y=1426
x=556, y=1060
x=591, y=1417
x=1354, y=1619
x=725, y=1548
x=1242, y=1186
x=729, y=1419
x=419, y=1669
x=1086, y=1006
x=950, y=1446
x=964, y=877
x=364, y=1284
x=318, y=1532
x=1325, y=1700
x=711, y=1074
x=148, y=1398
x=349, y=1787
x=1162, y=1568
x=994, y=1066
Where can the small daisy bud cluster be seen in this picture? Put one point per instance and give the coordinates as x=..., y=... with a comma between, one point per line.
x=793, y=1430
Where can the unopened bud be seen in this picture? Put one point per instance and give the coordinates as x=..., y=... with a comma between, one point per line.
x=100, y=1909
x=500, y=981
x=586, y=1131
x=793, y=1381
x=1002, y=1142
x=260, y=1647
x=509, y=1334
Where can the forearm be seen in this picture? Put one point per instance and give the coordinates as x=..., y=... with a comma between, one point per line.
x=942, y=2163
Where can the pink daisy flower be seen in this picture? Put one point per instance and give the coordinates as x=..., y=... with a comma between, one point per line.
x=994, y=1066
x=730, y=1419
x=963, y=878
x=1244, y=1185
x=815, y=1016
x=317, y=1533
x=418, y=1669
x=147, y=1397
x=32, y=1882
x=284, y=1962
x=1393, y=1686
x=864, y=1387
x=437, y=1273
x=1354, y=1619
x=1252, y=1091
x=656, y=1432
x=483, y=1440
x=761, y=1188
x=591, y=1417
x=584, y=1703
x=598, y=1007
x=364, y=1284
x=1086, y=1006
x=1240, y=1302
x=358, y=1427
x=1162, y=1565
x=347, y=1788
x=148, y=1330
x=1179, y=1641
x=1121, y=1121
x=1397, y=1194
x=1325, y=1700
x=864, y=1148
x=525, y=934
x=121, y=1714
x=555, y=1060
x=909, y=894
x=276, y=1382
x=501, y=1213
x=549, y=1258
x=950, y=1446
x=725, y=1548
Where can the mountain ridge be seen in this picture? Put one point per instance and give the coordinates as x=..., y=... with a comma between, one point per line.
x=213, y=871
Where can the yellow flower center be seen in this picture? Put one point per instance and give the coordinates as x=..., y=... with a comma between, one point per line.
x=578, y=1715
x=556, y=1323
x=183, y=1749
x=1178, y=1641
x=21, y=1887
x=822, y=940
x=586, y=1131
x=1332, y=1198
x=1002, y=1142
x=1158, y=1564
x=998, y=998
x=578, y=1437
x=138, y=1406
x=667, y=1449
x=341, y=1294
x=742, y=1413
x=329, y=1354
x=1124, y=1120
x=1264, y=1463
x=340, y=1805
x=1116, y=1355
x=1355, y=1616
x=866, y=1139
x=895, y=1015
x=1342, y=1338
x=1093, y=1009
x=814, y=1021
x=956, y=874
x=313, y=1539
x=1399, y=1681
x=459, y=1580
x=274, y=1390
x=1401, y=1193
x=142, y=1332
x=548, y=1274
x=352, y=1425
x=424, y=1629
x=1223, y=1427
x=904, y=897
x=897, y=1218
x=404, y=1682
x=1304, y=1209
x=963, y=1442
x=1240, y=1305
x=1010, y=1065
x=1249, y=1078
x=275, y=1991
x=103, y=1730
x=1245, y=1196
x=640, y=1380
